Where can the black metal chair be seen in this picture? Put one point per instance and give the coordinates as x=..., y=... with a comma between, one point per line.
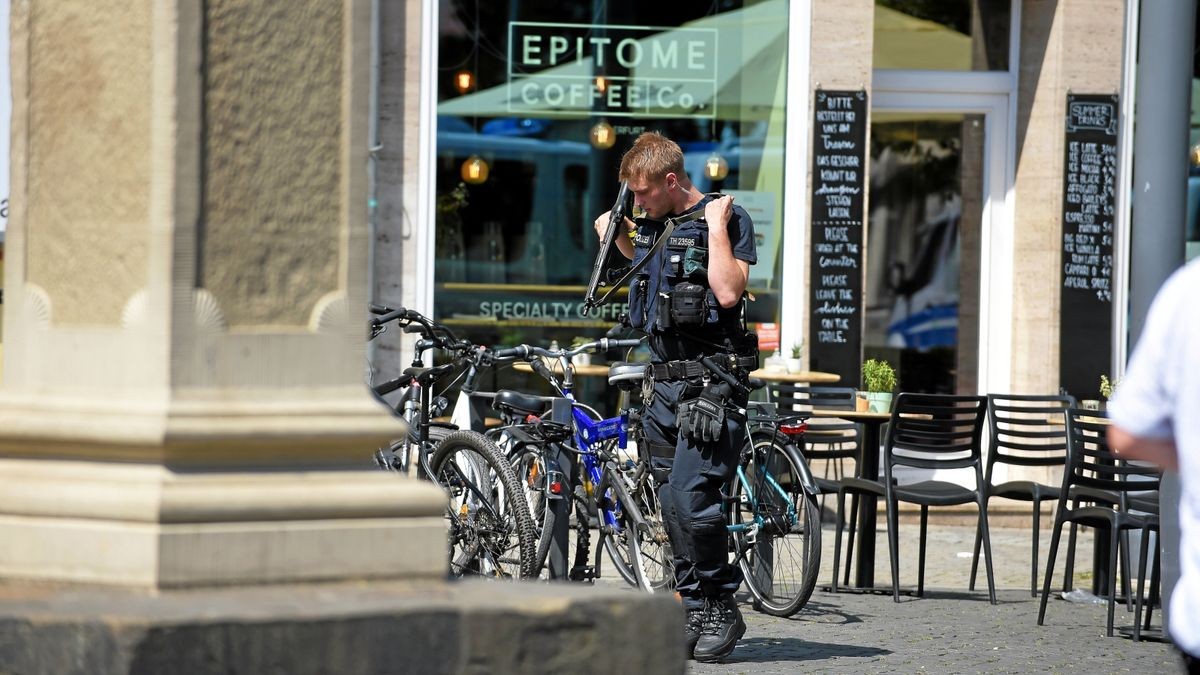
x=1023, y=432
x=1121, y=490
x=829, y=440
x=929, y=432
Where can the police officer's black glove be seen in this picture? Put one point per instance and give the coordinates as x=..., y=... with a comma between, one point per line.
x=701, y=419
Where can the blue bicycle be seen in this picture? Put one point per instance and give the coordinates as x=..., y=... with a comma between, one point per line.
x=570, y=456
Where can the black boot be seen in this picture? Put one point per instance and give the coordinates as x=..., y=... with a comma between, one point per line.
x=694, y=626
x=722, y=629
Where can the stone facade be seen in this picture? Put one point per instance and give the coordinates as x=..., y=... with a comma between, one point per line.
x=183, y=400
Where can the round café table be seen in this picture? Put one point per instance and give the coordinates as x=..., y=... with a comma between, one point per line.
x=590, y=370
x=801, y=377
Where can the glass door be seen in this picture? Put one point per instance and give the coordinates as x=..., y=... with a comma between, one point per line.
x=924, y=180
x=938, y=274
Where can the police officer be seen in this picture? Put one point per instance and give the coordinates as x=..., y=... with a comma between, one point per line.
x=689, y=299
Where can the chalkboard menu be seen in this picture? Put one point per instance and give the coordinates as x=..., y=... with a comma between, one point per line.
x=1089, y=181
x=838, y=177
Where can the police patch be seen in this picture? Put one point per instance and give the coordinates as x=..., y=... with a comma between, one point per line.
x=643, y=240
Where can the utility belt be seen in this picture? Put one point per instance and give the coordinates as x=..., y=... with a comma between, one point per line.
x=686, y=370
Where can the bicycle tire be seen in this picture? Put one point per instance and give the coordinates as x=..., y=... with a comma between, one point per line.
x=529, y=466
x=781, y=566
x=397, y=456
x=643, y=558
x=489, y=526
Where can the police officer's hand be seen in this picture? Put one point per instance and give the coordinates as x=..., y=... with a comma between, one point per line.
x=701, y=419
x=718, y=212
x=601, y=224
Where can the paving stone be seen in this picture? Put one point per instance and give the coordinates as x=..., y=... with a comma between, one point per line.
x=951, y=629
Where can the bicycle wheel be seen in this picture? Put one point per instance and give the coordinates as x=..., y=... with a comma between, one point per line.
x=399, y=455
x=529, y=467
x=490, y=529
x=643, y=558
x=780, y=551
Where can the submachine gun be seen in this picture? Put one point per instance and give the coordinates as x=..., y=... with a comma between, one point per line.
x=604, y=274
x=607, y=275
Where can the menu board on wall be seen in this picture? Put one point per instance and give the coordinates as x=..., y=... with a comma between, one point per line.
x=1089, y=182
x=838, y=178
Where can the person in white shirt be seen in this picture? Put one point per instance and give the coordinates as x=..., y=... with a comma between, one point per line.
x=1156, y=417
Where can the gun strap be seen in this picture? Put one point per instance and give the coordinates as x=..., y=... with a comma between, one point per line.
x=665, y=235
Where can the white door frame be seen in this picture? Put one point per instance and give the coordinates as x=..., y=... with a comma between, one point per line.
x=898, y=91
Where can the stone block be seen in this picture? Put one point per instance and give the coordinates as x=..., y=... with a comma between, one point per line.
x=346, y=628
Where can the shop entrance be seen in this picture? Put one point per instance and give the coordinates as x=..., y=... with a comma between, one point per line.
x=937, y=252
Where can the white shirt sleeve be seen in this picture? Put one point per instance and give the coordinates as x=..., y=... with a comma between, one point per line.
x=1144, y=402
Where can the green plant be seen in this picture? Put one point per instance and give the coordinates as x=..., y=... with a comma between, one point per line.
x=796, y=350
x=1108, y=387
x=579, y=340
x=878, y=376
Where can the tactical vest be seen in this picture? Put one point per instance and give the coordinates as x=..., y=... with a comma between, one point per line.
x=671, y=299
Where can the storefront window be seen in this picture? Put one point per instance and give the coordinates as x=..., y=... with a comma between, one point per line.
x=537, y=101
x=1192, y=242
x=963, y=35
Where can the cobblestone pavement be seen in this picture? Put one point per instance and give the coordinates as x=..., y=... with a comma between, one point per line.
x=951, y=629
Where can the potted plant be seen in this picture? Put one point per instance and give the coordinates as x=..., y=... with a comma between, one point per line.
x=879, y=380
x=793, y=363
x=1107, y=389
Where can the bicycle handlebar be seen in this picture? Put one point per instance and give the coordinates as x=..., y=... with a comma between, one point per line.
x=531, y=353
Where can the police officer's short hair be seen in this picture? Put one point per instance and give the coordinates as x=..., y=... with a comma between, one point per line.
x=652, y=157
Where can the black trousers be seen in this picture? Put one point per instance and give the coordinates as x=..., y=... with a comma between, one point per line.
x=692, y=498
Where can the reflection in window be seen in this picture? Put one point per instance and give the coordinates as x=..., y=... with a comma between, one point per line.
x=959, y=35
x=514, y=252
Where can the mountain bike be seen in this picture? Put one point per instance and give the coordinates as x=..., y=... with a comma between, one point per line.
x=490, y=529
x=597, y=473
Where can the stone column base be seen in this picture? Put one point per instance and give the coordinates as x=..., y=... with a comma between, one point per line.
x=381, y=627
x=146, y=525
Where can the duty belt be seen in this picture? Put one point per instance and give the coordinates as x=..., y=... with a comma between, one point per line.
x=683, y=370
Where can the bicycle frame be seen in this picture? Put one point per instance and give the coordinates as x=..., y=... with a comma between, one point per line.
x=752, y=528
x=762, y=416
x=589, y=433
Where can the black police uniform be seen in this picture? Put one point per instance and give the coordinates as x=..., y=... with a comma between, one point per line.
x=691, y=500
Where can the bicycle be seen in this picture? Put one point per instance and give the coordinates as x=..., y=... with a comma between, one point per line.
x=490, y=529
x=774, y=524
x=630, y=527
x=775, y=521
x=774, y=508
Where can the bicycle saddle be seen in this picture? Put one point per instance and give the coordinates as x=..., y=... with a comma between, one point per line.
x=516, y=402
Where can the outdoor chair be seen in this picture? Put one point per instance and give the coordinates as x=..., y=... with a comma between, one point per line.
x=930, y=432
x=1024, y=431
x=1121, y=493
x=829, y=440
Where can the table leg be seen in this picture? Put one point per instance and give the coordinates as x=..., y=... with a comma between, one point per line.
x=868, y=467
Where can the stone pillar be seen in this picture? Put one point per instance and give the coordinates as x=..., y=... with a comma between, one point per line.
x=397, y=235
x=842, y=43
x=183, y=399
x=1069, y=45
